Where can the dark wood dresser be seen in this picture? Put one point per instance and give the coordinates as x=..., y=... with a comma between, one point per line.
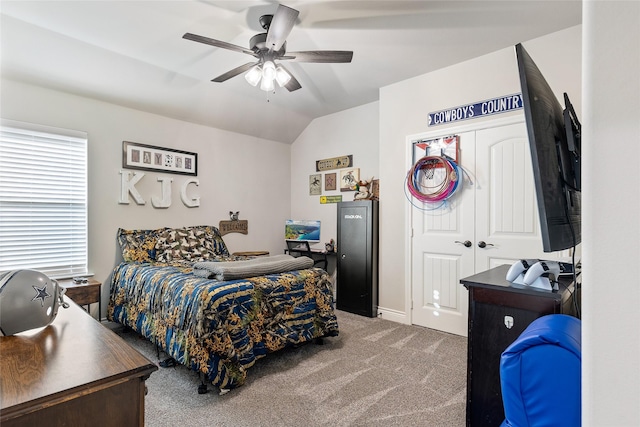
x=74, y=372
x=498, y=313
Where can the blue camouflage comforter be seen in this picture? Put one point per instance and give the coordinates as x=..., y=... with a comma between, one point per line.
x=220, y=328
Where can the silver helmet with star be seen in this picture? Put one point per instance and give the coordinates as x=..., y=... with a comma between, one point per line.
x=28, y=300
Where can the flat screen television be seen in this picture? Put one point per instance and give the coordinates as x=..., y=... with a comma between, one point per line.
x=302, y=230
x=554, y=140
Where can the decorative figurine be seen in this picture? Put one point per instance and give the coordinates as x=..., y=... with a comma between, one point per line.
x=331, y=246
x=362, y=190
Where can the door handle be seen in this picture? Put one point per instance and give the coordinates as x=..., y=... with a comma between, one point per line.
x=482, y=244
x=466, y=243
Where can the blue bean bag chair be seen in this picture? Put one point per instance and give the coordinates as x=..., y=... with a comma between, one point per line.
x=540, y=374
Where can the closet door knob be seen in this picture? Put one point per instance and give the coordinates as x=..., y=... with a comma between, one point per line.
x=482, y=244
x=466, y=243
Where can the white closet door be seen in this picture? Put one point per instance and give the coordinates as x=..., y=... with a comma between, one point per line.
x=506, y=207
x=440, y=258
x=497, y=216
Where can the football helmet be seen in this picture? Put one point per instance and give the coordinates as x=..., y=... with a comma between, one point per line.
x=28, y=300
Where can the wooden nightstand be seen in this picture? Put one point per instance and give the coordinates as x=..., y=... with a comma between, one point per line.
x=84, y=293
x=251, y=253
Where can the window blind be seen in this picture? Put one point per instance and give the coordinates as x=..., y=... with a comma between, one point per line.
x=43, y=199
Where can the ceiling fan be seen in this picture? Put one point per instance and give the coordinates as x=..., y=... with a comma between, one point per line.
x=269, y=47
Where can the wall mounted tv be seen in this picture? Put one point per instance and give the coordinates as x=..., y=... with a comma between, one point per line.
x=554, y=139
x=302, y=230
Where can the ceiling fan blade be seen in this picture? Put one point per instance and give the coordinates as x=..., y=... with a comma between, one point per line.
x=281, y=25
x=217, y=43
x=232, y=73
x=335, y=56
x=292, y=84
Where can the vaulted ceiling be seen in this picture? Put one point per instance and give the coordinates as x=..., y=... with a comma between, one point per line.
x=132, y=53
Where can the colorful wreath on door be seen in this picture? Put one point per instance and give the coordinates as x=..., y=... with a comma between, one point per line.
x=434, y=180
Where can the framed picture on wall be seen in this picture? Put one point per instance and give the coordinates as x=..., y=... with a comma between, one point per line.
x=349, y=178
x=330, y=181
x=158, y=159
x=315, y=184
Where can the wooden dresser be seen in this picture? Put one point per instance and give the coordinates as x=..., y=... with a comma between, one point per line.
x=74, y=372
x=499, y=312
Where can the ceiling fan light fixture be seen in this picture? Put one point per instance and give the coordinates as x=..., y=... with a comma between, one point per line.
x=267, y=84
x=269, y=47
x=254, y=75
x=282, y=77
x=269, y=71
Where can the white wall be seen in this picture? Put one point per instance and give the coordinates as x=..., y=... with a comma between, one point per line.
x=611, y=214
x=236, y=172
x=354, y=131
x=404, y=109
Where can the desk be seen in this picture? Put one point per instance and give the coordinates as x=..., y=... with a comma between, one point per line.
x=73, y=372
x=314, y=251
x=491, y=299
x=318, y=256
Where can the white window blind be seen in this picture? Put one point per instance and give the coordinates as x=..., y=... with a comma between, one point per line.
x=43, y=199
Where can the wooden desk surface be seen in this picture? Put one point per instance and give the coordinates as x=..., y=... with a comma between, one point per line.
x=60, y=361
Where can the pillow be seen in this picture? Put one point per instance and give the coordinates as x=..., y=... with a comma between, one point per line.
x=138, y=245
x=214, y=240
x=198, y=243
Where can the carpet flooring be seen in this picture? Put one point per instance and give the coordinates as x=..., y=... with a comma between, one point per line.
x=375, y=373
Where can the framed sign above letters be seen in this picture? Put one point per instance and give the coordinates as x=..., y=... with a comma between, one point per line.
x=158, y=159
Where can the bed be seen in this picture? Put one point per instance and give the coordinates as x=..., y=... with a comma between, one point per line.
x=170, y=289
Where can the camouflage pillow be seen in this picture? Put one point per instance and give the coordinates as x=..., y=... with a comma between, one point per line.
x=194, y=244
x=213, y=240
x=138, y=245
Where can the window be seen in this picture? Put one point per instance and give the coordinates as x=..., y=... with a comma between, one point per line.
x=43, y=199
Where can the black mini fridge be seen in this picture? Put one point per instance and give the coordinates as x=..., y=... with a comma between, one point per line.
x=357, y=265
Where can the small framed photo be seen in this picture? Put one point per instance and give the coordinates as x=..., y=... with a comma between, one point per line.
x=158, y=159
x=315, y=184
x=330, y=181
x=349, y=178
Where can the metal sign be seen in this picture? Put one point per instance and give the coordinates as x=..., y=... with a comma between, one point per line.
x=330, y=199
x=479, y=109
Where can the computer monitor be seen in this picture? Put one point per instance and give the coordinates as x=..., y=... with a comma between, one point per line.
x=303, y=230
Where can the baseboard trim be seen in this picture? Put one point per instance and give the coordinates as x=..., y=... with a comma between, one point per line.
x=393, y=315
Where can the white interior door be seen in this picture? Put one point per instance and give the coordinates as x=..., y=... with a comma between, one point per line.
x=439, y=255
x=506, y=208
x=496, y=218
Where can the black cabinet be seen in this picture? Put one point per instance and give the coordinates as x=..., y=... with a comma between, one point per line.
x=357, y=264
x=498, y=313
